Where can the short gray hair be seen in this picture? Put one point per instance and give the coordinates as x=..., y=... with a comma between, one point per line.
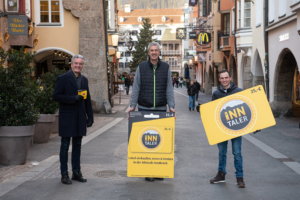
x=77, y=56
x=153, y=44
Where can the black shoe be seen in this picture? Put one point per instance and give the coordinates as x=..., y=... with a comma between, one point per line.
x=65, y=179
x=78, y=177
x=240, y=182
x=149, y=179
x=220, y=177
x=160, y=179
x=190, y=109
x=193, y=108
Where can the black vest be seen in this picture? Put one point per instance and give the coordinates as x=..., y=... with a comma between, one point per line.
x=146, y=95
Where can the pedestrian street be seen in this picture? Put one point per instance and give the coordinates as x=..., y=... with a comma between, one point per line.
x=270, y=159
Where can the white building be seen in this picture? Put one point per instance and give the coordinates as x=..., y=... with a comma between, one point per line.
x=164, y=21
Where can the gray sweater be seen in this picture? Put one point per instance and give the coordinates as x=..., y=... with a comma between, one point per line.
x=136, y=91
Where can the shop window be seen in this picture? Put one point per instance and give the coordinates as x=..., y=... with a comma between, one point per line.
x=12, y=6
x=50, y=13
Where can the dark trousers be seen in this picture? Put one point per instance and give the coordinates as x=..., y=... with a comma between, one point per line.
x=197, y=94
x=127, y=89
x=63, y=155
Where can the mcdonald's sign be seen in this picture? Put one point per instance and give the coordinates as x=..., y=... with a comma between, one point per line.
x=203, y=38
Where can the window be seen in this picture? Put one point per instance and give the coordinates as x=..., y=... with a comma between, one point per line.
x=127, y=65
x=233, y=20
x=170, y=46
x=134, y=33
x=121, y=65
x=139, y=19
x=204, y=8
x=165, y=47
x=182, y=18
x=121, y=19
x=282, y=8
x=12, y=6
x=175, y=62
x=127, y=54
x=219, y=41
x=271, y=10
x=163, y=19
x=157, y=32
x=49, y=11
x=247, y=13
x=258, y=12
x=108, y=13
x=123, y=54
x=226, y=24
x=219, y=5
x=176, y=46
x=239, y=25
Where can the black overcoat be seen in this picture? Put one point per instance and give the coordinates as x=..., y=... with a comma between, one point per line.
x=73, y=115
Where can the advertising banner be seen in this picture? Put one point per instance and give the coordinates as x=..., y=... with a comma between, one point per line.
x=236, y=115
x=17, y=25
x=192, y=35
x=151, y=137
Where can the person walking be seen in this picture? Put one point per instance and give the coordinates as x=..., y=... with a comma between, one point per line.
x=180, y=82
x=198, y=88
x=227, y=88
x=192, y=90
x=173, y=82
x=176, y=81
x=75, y=115
x=152, y=88
x=127, y=84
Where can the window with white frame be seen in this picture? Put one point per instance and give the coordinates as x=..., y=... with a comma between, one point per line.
x=271, y=10
x=258, y=11
x=12, y=6
x=50, y=11
x=139, y=19
x=239, y=24
x=233, y=20
x=121, y=19
x=126, y=64
x=121, y=65
x=163, y=19
x=182, y=18
x=244, y=13
x=282, y=8
x=226, y=23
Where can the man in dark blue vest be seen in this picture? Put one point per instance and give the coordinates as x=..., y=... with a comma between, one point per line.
x=152, y=87
x=75, y=115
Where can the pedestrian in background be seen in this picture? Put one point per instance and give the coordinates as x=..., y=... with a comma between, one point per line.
x=127, y=84
x=173, y=82
x=177, y=81
x=75, y=115
x=227, y=88
x=198, y=88
x=192, y=89
x=180, y=82
x=152, y=88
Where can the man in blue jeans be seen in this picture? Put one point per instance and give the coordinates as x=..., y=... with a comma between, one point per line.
x=227, y=88
x=152, y=86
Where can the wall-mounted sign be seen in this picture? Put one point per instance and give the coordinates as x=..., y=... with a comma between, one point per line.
x=203, y=38
x=192, y=35
x=58, y=62
x=284, y=37
x=17, y=25
x=180, y=33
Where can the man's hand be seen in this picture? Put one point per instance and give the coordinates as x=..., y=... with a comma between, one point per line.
x=173, y=110
x=79, y=98
x=256, y=131
x=89, y=124
x=130, y=109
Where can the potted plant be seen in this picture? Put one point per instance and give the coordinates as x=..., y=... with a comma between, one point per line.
x=18, y=112
x=46, y=106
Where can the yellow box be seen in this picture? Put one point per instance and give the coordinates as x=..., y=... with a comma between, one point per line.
x=83, y=93
x=236, y=115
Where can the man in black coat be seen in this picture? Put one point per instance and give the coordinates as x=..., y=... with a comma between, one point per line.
x=198, y=88
x=127, y=84
x=192, y=91
x=75, y=114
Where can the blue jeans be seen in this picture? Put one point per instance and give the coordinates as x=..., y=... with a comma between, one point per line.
x=76, y=151
x=127, y=89
x=236, y=151
x=192, y=102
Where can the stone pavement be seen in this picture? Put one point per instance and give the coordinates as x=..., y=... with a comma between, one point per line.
x=104, y=164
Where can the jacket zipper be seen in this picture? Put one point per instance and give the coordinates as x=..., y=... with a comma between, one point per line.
x=154, y=87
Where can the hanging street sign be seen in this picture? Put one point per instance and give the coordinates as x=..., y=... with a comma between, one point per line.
x=181, y=33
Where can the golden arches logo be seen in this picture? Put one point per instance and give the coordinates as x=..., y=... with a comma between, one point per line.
x=203, y=36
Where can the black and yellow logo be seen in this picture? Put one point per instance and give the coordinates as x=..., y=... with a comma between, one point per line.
x=203, y=38
x=236, y=115
x=151, y=139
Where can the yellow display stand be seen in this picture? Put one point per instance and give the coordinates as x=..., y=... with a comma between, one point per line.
x=236, y=115
x=151, y=145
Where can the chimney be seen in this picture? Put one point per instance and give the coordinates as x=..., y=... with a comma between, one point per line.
x=127, y=8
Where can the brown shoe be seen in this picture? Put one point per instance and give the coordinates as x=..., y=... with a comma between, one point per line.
x=240, y=182
x=219, y=178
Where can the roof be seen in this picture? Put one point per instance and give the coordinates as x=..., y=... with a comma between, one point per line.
x=169, y=36
x=155, y=15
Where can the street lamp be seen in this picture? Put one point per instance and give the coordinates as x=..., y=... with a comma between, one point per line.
x=190, y=61
x=195, y=58
x=118, y=54
x=115, y=39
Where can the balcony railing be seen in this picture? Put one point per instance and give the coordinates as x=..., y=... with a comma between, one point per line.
x=171, y=52
x=173, y=67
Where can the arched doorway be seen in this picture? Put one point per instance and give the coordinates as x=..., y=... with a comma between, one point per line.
x=209, y=81
x=258, y=74
x=286, y=92
x=233, y=70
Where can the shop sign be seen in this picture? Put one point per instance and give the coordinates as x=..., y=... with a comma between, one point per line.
x=284, y=37
x=192, y=35
x=236, y=115
x=17, y=25
x=180, y=33
x=203, y=38
x=58, y=62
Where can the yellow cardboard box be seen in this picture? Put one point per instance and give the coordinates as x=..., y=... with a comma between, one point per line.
x=236, y=115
